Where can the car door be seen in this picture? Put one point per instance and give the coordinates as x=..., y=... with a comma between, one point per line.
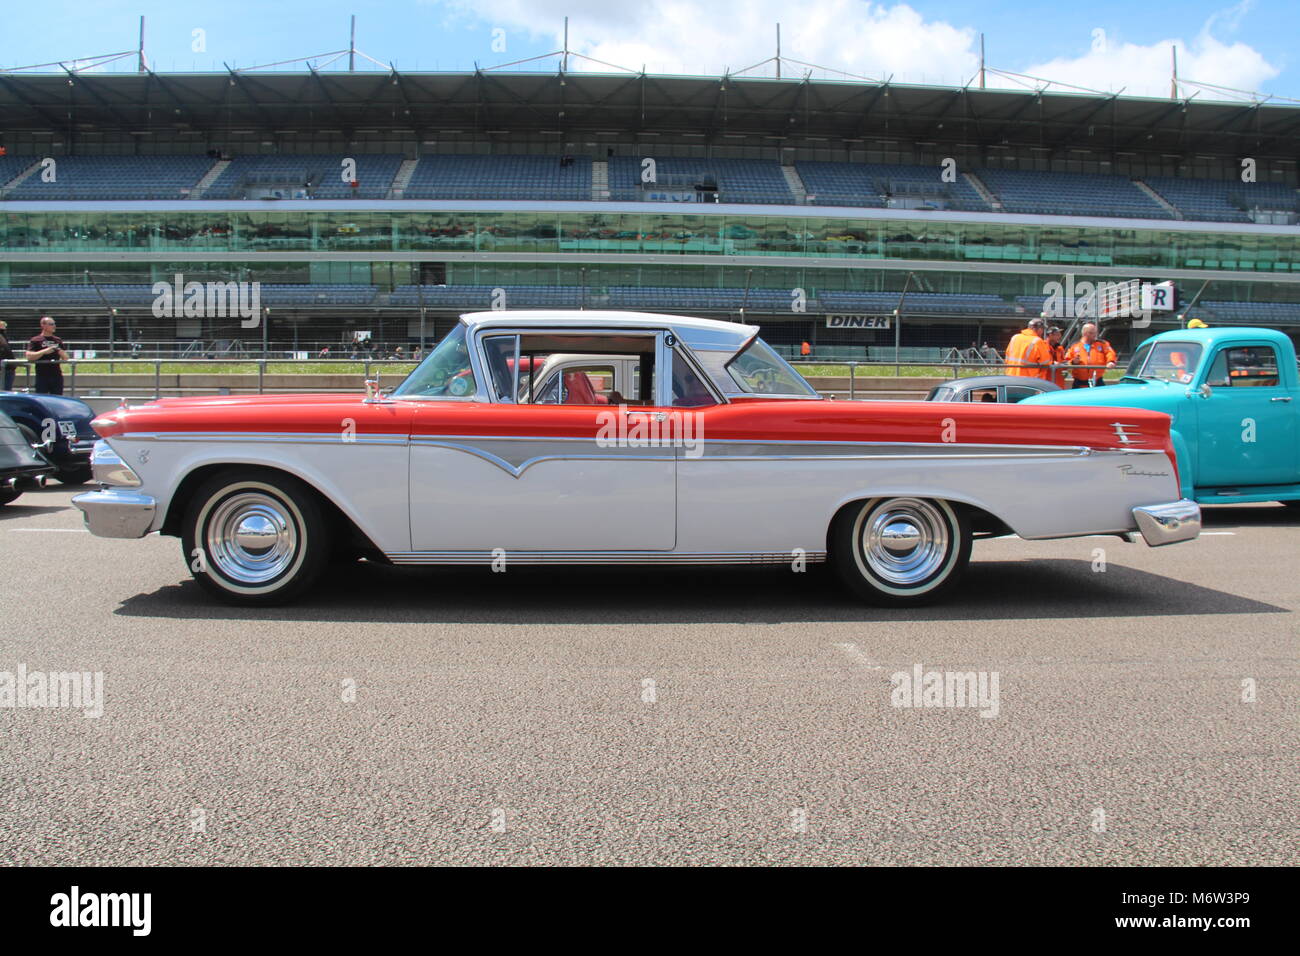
x=1246, y=426
x=545, y=477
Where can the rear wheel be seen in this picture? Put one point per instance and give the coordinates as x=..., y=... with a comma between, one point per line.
x=8, y=493
x=900, y=551
x=1293, y=505
x=255, y=538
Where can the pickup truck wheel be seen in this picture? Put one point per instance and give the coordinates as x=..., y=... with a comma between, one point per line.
x=900, y=551
x=255, y=539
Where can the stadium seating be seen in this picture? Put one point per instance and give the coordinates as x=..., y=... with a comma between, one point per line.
x=11, y=166
x=1213, y=200
x=737, y=180
x=114, y=177
x=876, y=185
x=1071, y=194
x=318, y=176
x=137, y=295
x=500, y=177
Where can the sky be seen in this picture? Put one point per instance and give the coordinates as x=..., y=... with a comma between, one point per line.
x=1105, y=45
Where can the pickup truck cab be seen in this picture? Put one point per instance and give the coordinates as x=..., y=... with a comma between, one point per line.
x=1234, y=398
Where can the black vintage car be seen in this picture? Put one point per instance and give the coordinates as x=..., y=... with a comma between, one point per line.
x=58, y=427
x=991, y=388
x=19, y=461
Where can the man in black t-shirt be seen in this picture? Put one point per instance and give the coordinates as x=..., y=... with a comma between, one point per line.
x=45, y=352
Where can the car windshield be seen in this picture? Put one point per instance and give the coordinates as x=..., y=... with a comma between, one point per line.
x=758, y=369
x=1165, y=362
x=446, y=373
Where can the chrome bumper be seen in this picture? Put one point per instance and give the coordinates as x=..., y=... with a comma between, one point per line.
x=114, y=513
x=1169, y=523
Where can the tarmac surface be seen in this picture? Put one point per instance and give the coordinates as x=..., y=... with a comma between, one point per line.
x=1147, y=713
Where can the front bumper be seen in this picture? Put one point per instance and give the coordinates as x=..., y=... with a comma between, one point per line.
x=117, y=513
x=1169, y=523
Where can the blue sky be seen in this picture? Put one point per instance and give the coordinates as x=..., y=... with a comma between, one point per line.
x=1104, y=44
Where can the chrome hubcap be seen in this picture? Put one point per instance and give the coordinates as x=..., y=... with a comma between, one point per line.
x=251, y=538
x=905, y=541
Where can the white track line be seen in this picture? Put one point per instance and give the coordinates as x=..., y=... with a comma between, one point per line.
x=854, y=652
x=51, y=530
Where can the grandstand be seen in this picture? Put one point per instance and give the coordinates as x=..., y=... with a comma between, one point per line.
x=789, y=201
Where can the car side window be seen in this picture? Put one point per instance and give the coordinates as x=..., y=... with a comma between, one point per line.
x=982, y=394
x=1018, y=393
x=1254, y=366
x=688, y=390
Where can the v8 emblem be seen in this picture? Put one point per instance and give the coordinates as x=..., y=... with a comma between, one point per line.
x=143, y=457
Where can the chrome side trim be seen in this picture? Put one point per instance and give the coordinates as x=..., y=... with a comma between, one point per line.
x=516, y=464
x=273, y=438
x=600, y=557
x=1169, y=523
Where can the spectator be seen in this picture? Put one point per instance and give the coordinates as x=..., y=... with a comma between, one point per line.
x=805, y=349
x=399, y=355
x=1027, y=350
x=1057, y=375
x=6, y=355
x=324, y=353
x=1090, y=357
x=45, y=351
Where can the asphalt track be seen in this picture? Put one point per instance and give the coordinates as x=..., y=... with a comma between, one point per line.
x=507, y=718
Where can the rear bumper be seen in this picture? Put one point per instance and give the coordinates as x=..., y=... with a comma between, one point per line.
x=1169, y=523
x=117, y=513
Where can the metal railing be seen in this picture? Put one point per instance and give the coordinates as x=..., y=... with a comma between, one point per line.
x=371, y=368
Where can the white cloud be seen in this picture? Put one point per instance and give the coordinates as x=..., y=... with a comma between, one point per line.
x=705, y=37
x=1145, y=70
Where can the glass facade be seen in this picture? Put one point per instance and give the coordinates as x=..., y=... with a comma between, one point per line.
x=260, y=231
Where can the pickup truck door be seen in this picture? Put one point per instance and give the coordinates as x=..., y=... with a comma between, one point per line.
x=1246, y=427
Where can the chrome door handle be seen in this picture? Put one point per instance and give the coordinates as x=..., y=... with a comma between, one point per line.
x=1281, y=398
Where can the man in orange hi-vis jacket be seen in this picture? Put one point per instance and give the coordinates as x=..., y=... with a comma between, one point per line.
x=1090, y=357
x=1028, y=349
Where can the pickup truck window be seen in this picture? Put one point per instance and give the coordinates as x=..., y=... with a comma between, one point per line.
x=1254, y=365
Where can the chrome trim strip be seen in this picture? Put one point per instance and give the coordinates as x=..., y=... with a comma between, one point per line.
x=274, y=438
x=517, y=466
x=601, y=557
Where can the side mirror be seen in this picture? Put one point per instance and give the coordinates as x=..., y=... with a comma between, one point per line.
x=1203, y=392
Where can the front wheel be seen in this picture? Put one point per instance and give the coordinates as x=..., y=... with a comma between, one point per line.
x=255, y=538
x=900, y=552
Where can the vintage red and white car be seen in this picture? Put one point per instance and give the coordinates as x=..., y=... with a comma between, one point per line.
x=587, y=438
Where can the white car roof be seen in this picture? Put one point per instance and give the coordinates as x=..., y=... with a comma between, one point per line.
x=696, y=333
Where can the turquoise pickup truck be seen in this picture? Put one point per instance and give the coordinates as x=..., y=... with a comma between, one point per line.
x=1235, y=402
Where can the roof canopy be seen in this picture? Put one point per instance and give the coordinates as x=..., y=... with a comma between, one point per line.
x=423, y=106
